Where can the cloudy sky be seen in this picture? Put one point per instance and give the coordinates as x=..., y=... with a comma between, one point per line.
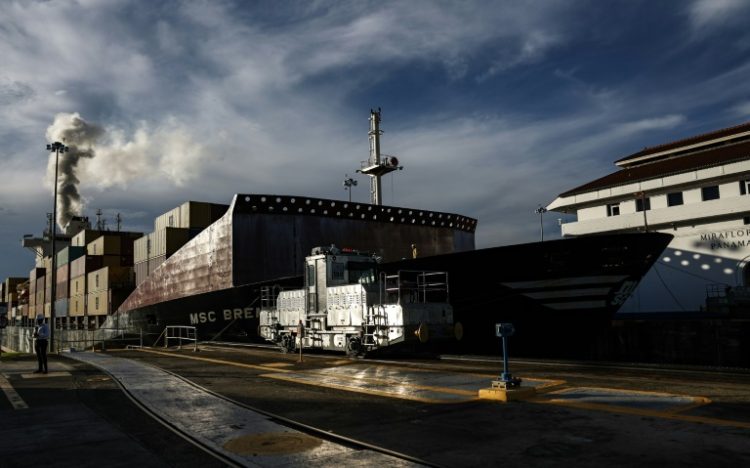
x=493, y=107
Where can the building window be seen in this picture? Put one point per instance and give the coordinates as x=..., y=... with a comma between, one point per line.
x=613, y=209
x=674, y=199
x=96, y=303
x=710, y=193
x=642, y=204
x=171, y=221
x=96, y=280
x=745, y=187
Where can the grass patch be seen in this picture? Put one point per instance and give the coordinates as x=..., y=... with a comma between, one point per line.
x=12, y=355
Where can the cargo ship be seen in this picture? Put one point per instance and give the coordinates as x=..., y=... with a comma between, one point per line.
x=205, y=265
x=571, y=287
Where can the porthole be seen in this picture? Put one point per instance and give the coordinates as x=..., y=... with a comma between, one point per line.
x=263, y=199
x=247, y=199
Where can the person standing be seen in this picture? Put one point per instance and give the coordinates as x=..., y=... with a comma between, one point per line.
x=41, y=338
x=414, y=251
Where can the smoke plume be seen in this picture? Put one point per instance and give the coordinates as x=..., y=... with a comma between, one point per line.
x=79, y=136
x=107, y=157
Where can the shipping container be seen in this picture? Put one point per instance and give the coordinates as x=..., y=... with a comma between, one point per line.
x=11, y=289
x=169, y=219
x=140, y=249
x=154, y=263
x=35, y=274
x=117, y=260
x=47, y=289
x=141, y=272
x=85, y=264
x=98, y=302
x=62, y=290
x=68, y=254
x=110, y=278
x=40, y=289
x=190, y=214
x=63, y=273
x=77, y=306
x=168, y=241
x=83, y=238
x=106, y=244
x=78, y=285
x=61, y=307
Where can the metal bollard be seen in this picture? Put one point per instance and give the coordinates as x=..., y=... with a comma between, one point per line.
x=504, y=331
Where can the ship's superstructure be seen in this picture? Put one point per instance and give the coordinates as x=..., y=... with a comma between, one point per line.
x=698, y=190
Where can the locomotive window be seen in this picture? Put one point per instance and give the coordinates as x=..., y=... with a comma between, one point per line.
x=337, y=271
x=361, y=272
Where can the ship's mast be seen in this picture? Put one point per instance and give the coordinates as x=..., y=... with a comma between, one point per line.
x=375, y=166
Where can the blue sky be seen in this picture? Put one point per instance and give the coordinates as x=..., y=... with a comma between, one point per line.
x=493, y=107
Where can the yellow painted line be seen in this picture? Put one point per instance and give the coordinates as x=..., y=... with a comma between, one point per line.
x=278, y=364
x=696, y=400
x=13, y=397
x=675, y=415
x=369, y=391
x=216, y=361
x=648, y=413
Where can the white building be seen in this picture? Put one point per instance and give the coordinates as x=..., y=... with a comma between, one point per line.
x=698, y=190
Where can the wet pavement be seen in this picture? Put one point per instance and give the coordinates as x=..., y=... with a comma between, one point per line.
x=262, y=408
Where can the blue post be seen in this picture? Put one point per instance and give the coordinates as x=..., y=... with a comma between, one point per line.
x=505, y=330
x=505, y=377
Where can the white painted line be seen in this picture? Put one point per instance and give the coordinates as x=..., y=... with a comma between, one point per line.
x=10, y=392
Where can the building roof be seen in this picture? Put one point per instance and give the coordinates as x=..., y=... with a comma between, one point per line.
x=690, y=141
x=699, y=159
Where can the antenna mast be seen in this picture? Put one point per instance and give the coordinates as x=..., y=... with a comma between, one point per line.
x=375, y=166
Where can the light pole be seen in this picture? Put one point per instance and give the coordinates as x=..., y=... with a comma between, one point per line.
x=56, y=148
x=348, y=184
x=540, y=211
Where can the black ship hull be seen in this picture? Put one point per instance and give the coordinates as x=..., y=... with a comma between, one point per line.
x=559, y=294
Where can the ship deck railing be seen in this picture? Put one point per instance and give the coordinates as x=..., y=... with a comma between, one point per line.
x=414, y=287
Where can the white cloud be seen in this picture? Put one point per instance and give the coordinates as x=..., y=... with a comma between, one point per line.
x=714, y=13
x=742, y=109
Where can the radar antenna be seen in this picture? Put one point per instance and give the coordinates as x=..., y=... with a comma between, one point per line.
x=377, y=165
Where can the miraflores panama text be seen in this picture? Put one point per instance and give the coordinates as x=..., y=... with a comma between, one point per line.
x=727, y=239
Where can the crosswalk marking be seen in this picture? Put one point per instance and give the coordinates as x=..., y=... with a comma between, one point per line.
x=14, y=398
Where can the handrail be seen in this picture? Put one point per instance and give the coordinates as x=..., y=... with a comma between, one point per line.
x=190, y=334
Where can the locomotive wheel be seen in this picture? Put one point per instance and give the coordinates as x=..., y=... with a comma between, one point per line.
x=287, y=344
x=353, y=347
